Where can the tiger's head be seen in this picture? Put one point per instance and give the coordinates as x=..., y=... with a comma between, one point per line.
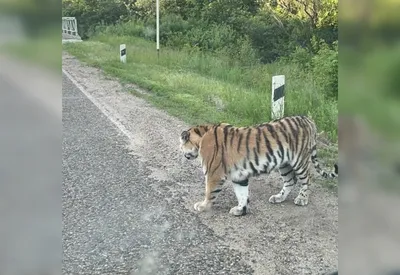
x=190, y=141
x=189, y=145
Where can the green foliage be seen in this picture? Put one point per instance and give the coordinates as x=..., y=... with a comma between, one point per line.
x=302, y=57
x=240, y=34
x=269, y=36
x=323, y=65
x=130, y=28
x=325, y=69
x=274, y=28
x=202, y=87
x=172, y=25
x=91, y=13
x=317, y=13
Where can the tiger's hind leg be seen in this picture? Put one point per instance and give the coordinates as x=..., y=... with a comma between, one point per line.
x=303, y=175
x=241, y=189
x=289, y=180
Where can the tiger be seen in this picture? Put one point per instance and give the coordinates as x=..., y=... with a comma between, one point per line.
x=238, y=153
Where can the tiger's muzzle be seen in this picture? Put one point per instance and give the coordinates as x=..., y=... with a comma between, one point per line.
x=190, y=156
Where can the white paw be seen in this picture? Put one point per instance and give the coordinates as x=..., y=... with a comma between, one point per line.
x=301, y=201
x=275, y=199
x=201, y=206
x=238, y=211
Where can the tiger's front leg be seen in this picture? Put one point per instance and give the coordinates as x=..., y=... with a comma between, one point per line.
x=213, y=188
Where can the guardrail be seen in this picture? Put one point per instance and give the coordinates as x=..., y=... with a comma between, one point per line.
x=70, y=28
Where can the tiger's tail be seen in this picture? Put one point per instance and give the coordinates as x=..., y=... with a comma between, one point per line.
x=324, y=174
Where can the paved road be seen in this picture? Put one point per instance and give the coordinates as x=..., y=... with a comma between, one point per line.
x=115, y=220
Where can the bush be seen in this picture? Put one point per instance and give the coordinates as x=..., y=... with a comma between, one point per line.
x=323, y=65
x=130, y=28
x=325, y=69
x=301, y=57
x=173, y=26
x=267, y=36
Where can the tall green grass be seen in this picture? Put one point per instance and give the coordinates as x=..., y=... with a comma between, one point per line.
x=200, y=88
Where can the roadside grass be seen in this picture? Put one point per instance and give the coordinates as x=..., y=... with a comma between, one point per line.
x=201, y=88
x=43, y=50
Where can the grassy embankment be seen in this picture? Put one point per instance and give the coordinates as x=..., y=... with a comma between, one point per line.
x=205, y=88
x=202, y=88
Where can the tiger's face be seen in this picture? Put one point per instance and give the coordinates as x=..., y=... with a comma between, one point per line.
x=188, y=145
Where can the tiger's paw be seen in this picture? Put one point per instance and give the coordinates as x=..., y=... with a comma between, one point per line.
x=276, y=199
x=301, y=201
x=238, y=211
x=202, y=206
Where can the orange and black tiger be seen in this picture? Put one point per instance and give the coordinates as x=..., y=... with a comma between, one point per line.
x=238, y=153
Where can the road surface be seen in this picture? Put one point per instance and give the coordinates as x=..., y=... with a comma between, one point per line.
x=128, y=198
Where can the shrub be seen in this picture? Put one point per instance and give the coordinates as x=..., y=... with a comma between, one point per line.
x=172, y=25
x=325, y=69
x=300, y=56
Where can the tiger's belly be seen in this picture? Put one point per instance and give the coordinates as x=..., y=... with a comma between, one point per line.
x=246, y=169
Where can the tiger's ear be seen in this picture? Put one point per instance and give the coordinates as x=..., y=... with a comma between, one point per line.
x=185, y=136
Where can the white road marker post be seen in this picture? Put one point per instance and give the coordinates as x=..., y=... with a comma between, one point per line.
x=122, y=53
x=278, y=96
x=158, y=28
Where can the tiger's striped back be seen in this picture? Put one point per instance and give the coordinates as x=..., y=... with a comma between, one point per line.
x=262, y=148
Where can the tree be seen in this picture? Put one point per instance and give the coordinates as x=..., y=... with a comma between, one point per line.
x=319, y=13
